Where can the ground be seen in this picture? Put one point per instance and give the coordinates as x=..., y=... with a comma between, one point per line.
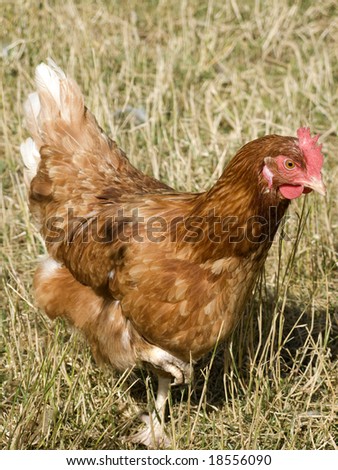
x=181, y=85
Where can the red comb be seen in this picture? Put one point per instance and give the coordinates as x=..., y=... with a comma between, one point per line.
x=311, y=150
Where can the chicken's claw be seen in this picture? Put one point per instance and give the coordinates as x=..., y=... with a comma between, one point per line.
x=162, y=361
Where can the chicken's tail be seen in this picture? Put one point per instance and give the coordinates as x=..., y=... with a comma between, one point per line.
x=57, y=119
x=43, y=108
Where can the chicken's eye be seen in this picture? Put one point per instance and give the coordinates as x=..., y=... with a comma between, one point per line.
x=289, y=164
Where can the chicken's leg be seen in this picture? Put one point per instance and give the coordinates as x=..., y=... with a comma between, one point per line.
x=154, y=435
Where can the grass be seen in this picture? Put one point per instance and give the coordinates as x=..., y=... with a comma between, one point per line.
x=205, y=77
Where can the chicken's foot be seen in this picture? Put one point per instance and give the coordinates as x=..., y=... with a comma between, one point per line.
x=154, y=435
x=161, y=360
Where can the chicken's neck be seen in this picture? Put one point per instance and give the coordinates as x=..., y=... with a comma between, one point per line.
x=239, y=216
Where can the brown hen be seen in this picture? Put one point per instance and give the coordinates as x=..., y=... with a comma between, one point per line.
x=153, y=277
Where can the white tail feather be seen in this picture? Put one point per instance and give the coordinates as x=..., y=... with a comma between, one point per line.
x=32, y=108
x=47, y=78
x=32, y=105
x=31, y=158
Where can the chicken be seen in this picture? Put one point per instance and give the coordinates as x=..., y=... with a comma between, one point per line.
x=152, y=277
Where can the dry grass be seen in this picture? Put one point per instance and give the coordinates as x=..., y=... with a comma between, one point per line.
x=207, y=76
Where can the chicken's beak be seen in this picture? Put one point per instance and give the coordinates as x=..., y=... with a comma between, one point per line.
x=316, y=184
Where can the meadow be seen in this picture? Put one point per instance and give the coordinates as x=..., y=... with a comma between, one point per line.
x=181, y=86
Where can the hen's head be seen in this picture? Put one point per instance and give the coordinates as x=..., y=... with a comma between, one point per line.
x=295, y=169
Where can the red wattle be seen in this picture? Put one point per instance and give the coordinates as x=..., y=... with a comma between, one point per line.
x=291, y=192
